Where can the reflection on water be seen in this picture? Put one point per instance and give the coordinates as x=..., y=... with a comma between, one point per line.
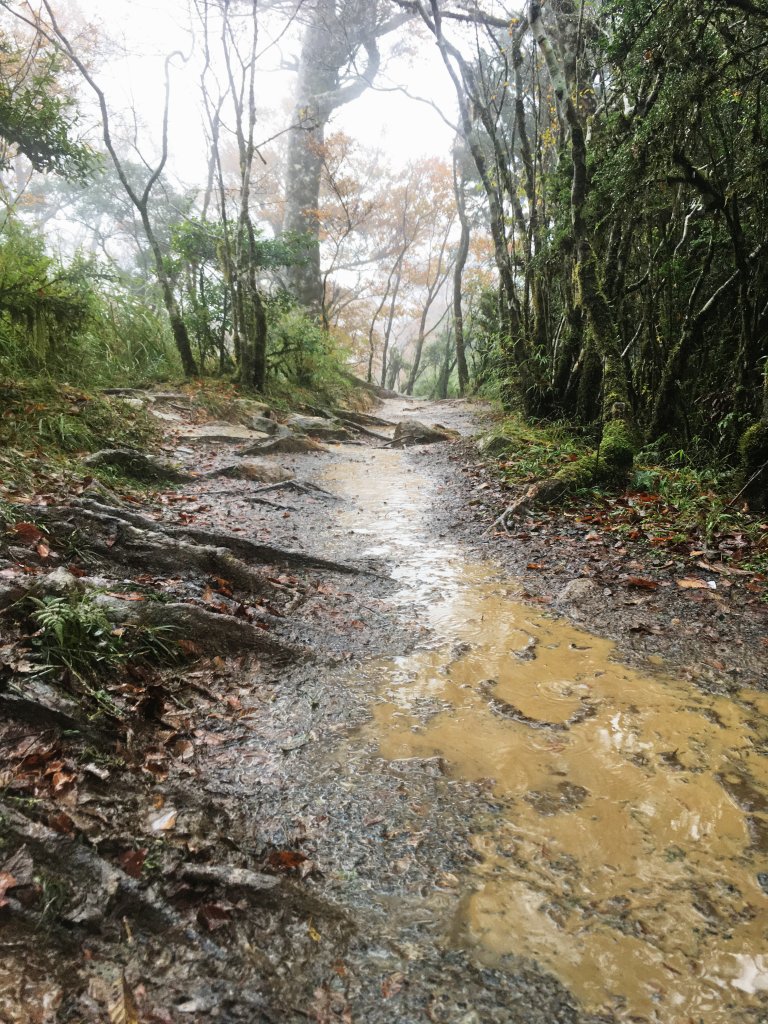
x=630, y=853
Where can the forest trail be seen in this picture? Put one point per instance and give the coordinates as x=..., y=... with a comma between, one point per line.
x=439, y=803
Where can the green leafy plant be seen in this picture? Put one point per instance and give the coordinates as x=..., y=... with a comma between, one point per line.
x=75, y=634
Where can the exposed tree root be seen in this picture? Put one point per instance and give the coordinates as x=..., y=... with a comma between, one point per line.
x=241, y=546
x=137, y=464
x=149, y=547
x=210, y=630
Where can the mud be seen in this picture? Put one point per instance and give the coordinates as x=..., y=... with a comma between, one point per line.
x=475, y=811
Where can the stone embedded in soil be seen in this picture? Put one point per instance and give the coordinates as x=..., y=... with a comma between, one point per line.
x=265, y=426
x=577, y=592
x=415, y=432
x=260, y=470
x=319, y=426
x=565, y=797
x=283, y=446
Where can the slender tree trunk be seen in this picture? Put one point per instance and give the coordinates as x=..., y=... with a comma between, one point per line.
x=458, y=281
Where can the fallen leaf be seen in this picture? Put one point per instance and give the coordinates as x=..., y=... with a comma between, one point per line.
x=28, y=532
x=392, y=985
x=213, y=916
x=121, y=1005
x=285, y=860
x=692, y=584
x=62, y=823
x=132, y=861
x=640, y=581
x=7, y=881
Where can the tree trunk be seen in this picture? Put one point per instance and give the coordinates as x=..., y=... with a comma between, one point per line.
x=458, y=281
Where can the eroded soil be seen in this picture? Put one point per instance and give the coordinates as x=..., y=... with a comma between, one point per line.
x=447, y=804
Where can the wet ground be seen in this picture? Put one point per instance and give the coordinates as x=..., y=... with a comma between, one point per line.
x=478, y=811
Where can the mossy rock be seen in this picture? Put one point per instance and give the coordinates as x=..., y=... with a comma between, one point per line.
x=496, y=446
x=753, y=448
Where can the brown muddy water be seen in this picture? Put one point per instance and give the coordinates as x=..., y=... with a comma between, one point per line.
x=629, y=854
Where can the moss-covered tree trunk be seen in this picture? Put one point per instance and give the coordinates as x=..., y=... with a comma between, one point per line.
x=615, y=453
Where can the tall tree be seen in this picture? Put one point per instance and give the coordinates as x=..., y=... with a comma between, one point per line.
x=338, y=35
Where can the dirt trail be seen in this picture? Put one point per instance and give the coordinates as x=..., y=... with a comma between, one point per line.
x=454, y=808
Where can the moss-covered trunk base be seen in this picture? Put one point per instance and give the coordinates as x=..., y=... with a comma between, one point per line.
x=753, y=449
x=611, y=463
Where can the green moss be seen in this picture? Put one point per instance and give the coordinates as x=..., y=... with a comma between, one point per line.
x=753, y=446
x=617, y=448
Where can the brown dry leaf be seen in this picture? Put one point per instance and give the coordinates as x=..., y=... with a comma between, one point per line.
x=214, y=915
x=688, y=583
x=28, y=532
x=132, y=596
x=132, y=861
x=184, y=750
x=7, y=881
x=165, y=821
x=285, y=860
x=190, y=647
x=62, y=823
x=121, y=1006
x=642, y=582
x=392, y=985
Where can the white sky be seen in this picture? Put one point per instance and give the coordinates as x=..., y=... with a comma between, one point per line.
x=148, y=30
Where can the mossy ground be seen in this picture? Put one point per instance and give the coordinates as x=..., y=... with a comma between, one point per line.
x=664, y=501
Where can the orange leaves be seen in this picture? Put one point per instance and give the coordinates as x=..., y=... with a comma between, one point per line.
x=27, y=533
x=642, y=583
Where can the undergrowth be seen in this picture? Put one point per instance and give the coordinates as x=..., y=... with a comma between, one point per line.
x=73, y=634
x=670, y=501
x=45, y=425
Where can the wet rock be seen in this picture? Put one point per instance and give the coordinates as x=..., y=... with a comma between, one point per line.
x=166, y=417
x=415, y=432
x=495, y=445
x=266, y=426
x=229, y=876
x=11, y=591
x=60, y=582
x=138, y=465
x=170, y=398
x=259, y=470
x=132, y=403
x=41, y=704
x=244, y=410
x=319, y=426
x=292, y=445
x=577, y=592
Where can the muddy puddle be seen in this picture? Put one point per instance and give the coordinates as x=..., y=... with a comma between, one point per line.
x=629, y=851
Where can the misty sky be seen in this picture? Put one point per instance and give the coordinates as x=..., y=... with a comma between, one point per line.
x=148, y=31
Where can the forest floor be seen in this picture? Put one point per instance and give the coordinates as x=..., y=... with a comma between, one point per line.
x=403, y=765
